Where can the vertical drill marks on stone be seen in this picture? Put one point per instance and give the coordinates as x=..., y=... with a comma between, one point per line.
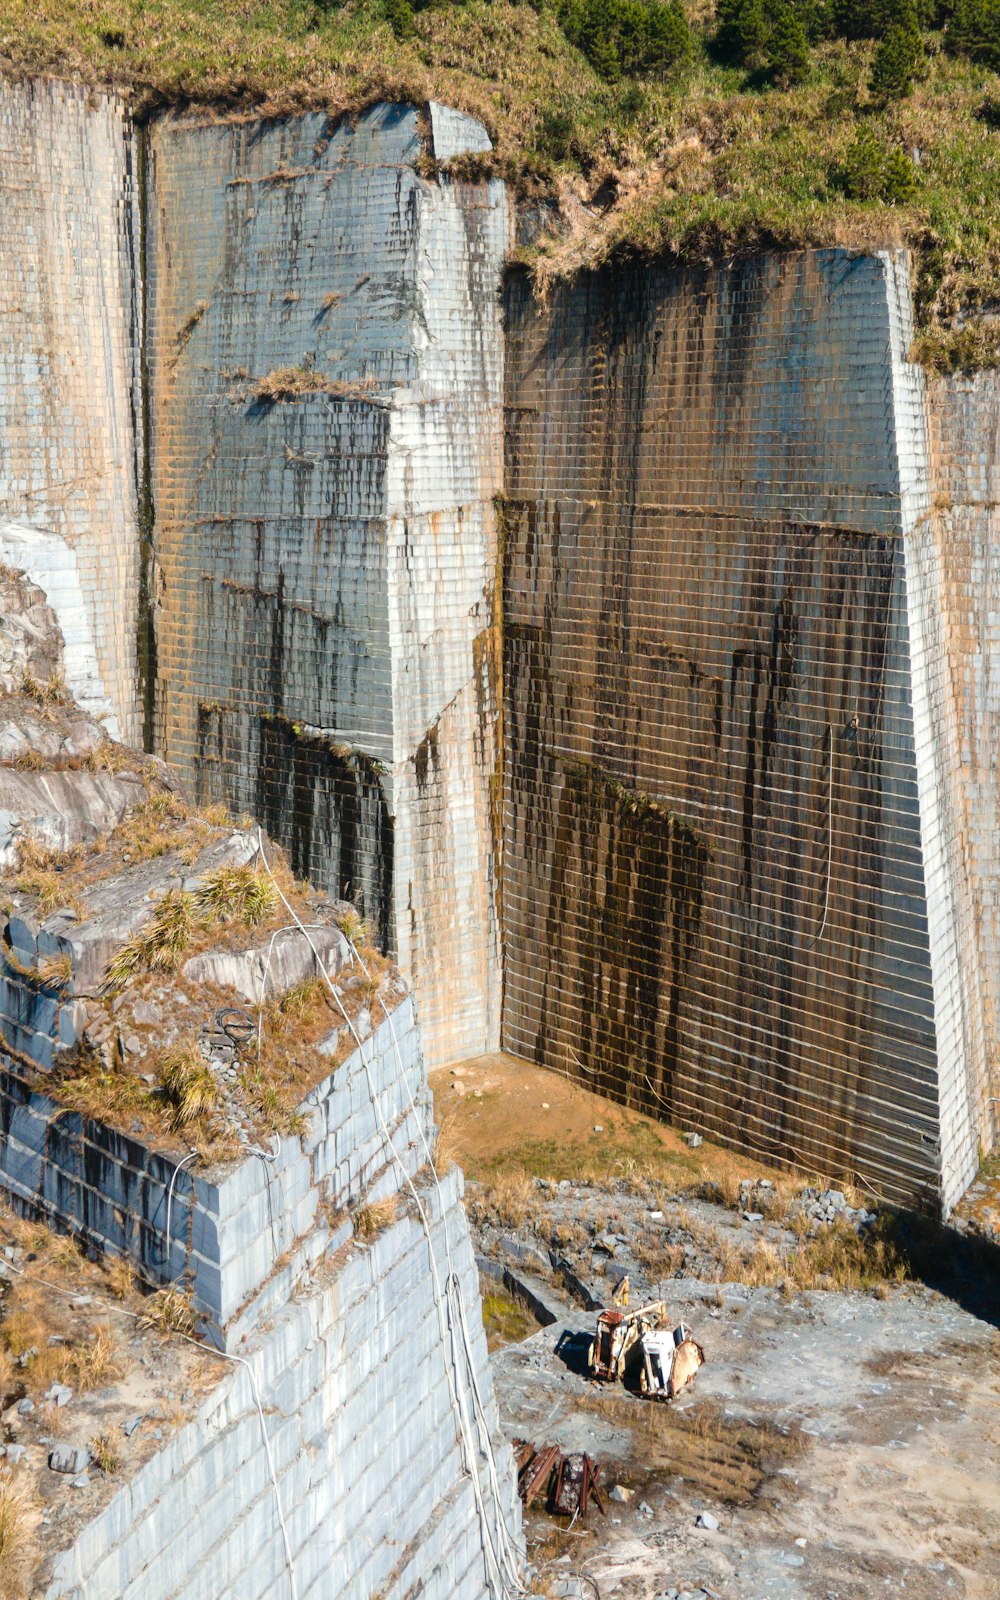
x=69, y=342
x=738, y=822
x=326, y=559
x=735, y=517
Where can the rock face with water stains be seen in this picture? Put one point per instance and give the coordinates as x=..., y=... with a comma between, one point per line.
x=732, y=894
x=368, y=1455
x=325, y=399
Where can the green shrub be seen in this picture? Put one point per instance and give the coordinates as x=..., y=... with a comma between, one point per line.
x=872, y=19
x=896, y=61
x=622, y=37
x=399, y=16
x=787, y=49
x=974, y=31
x=874, y=170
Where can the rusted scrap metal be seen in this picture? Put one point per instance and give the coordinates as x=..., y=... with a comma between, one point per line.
x=670, y=1357
x=538, y=1473
x=567, y=1482
x=618, y=1331
x=576, y=1484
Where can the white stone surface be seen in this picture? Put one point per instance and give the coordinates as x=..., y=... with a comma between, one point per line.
x=455, y=134
x=51, y=562
x=69, y=338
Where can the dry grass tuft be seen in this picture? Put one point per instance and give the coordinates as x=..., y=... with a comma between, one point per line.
x=52, y=693
x=835, y=1257
x=103, y=1093
x=170, y=1310
x=353, y=926
x=371, y=1220
x=509, y=1200
x=41, y=873
x=189, y=1086
x=105, y=1454
x=56, y=971
x=288, y=383
x=271, y=1109
x=159, y=946
x=15, y=1536
x=238, y=894
x=94, y=1362
x=110, y=756
x=120, y=1278
x=232, y=895
x=725, y=1458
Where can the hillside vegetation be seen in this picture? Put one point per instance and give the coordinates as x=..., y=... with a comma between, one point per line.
x=690, y=131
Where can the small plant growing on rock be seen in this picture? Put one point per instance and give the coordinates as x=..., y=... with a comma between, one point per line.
x=105, y=1454
x=189, y=1087
x=14, y=1536
x=121, y=1278
x=169, y=1310
x=43, y=694
x=238, y=894
x=41, y=874
x=56, y=971
x=288, y=383
x=159, y=946
x=371, y=1220
x=353, y=926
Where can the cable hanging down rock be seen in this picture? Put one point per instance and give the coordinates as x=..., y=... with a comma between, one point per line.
x=504, y=1578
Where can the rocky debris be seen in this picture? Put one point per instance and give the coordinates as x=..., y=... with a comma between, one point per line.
x=830, y=1205
x=692, y=1140
x=31, y=643
x=586, y=1237
x=706, y=1519
x=59, y=1394
x=69, y=1459
x=119, y=905
x=273, y=967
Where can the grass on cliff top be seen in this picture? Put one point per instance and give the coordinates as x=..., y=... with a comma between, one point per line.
x=701, y=162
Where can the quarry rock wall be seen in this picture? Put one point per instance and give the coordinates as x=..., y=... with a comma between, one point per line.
x=325, y=393
x=227, y=1230
x=354, y=1347
x=744, y=831
x=955, y=550
x=70, y=415
x=352, y=1371
x=728, y=898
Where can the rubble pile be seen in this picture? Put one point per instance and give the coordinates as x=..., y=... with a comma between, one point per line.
x=825, y=1206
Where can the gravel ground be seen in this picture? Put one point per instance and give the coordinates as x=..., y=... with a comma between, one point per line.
x=847, y=1444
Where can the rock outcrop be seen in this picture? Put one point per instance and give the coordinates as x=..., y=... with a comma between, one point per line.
x=202, y=1078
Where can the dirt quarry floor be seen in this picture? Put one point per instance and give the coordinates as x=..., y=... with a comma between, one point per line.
x=844, y=1433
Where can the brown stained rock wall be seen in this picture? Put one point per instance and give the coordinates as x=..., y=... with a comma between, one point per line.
x=713, y=884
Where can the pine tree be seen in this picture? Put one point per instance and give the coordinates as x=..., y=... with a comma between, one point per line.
x=787, y=49
x=742, y=32
x=896, y=61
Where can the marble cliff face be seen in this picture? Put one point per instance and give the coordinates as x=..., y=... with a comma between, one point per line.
x=627, y=657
